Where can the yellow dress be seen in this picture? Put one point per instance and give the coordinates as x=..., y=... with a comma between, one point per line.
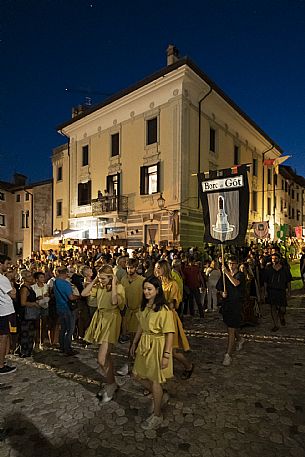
x=154, y=324
x=134, y=294
x=172, y=292
x=105, y=325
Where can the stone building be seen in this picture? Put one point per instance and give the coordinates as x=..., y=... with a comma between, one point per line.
x=25, y=215
x=127, y=168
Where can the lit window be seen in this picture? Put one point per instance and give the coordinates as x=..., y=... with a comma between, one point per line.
x=150, y=179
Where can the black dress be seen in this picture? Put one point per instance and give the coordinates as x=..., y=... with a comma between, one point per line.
x=231, y=305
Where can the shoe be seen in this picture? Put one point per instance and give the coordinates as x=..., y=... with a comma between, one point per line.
x=274, y=329
x=152, y=423
x=71, y=352
x=124, y=370
x=187, y=373
x=164, y=401
x=227, y=360
x=124, y=339
x=240, y=344
x=6, y=369
x=106, y=395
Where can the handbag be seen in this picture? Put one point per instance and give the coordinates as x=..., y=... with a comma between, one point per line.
x=72, y=305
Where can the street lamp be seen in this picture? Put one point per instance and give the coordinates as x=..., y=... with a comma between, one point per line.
x=161, y=201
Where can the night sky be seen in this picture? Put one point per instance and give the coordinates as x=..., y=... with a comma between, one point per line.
x=254, y=50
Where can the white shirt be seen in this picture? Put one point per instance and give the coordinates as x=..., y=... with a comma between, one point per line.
x=6, y=303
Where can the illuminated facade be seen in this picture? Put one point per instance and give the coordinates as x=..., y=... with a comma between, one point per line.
x=148, y=142
x=25, y=216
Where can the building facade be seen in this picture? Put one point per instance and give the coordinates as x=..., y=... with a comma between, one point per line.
x=127, y=170
x=25, y=216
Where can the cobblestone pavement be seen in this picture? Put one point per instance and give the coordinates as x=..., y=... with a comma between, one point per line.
x=254, y=408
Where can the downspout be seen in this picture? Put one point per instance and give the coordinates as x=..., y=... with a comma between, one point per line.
x=263, y=188
x=69, y=171
x=199, y=137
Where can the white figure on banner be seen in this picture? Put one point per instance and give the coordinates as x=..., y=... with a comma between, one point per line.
x=222, y=226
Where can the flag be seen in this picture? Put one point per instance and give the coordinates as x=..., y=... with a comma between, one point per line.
x=298, y=232
x=269, y=162
x=225, y=205
x=278, y=161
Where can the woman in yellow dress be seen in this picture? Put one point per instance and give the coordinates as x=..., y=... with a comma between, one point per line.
x=173, y=299
x=105, y=325
x=153, y=347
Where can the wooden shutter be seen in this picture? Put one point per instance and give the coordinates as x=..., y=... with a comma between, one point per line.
x=109, y=184
x=143, y=173
x=158, y=176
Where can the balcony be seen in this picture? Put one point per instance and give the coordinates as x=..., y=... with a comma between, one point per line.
x=110, y=206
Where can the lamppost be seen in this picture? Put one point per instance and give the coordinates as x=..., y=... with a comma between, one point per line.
x=174, y=222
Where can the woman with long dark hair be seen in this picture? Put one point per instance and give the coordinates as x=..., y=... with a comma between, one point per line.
x=153, y=341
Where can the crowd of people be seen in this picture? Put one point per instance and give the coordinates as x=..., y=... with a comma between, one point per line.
x=104, y=296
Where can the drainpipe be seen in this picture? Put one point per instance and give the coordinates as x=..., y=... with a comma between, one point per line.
x=263, y=188
x=199, y=138
x=69, y=171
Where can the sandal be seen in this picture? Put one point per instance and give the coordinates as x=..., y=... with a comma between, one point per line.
x=188, y=373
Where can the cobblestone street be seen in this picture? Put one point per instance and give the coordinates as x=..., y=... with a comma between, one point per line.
x=254, y=408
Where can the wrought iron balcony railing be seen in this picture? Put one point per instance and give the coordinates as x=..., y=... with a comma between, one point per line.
x=111, y=204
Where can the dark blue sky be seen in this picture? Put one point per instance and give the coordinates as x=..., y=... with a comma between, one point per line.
x=254, y=50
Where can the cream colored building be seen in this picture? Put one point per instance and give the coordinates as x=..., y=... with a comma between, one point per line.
x=289, y=207
x=25, y=216
x=148, y=140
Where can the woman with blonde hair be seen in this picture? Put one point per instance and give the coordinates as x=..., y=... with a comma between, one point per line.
x=105, y=325
x=173, y=299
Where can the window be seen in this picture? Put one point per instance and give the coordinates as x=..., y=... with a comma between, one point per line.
x=19, y=248
x=59, y=173
x=255, y=168
x=25, y=216
x=113, y=184
x=274, y=202
x=150, y=179
x=152, y=131
x=269, y=205
x=84, y=193
x=2, y=196
x=115, y=144
x=297, y=196
x=2, y=220
x=283, y=185
x=282, y=205
x=17, y=198
x=286, y=186
x=212, y=140
x=254, y=201
x=85, y=155
x=292, y=213
x=58, y=208
x=275, y=179
x=27, y=196
x=269, y=177
x=298, y=215
x=236, y=155
x=292, y=194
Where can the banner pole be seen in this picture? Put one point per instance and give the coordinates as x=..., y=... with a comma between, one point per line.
x=223, y=264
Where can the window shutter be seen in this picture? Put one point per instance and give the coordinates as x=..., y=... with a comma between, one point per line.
x=79, y=197
x=109, y=184
x=89, y=192
x=142, y=180
x=158, y=176
x=119, y=184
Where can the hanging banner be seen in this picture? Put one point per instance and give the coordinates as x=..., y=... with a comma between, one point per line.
x=224, y=197
x=298, y=232
x=261, y=229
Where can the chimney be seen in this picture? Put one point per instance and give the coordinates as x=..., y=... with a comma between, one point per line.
x=19, y=179
x=172, y=54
